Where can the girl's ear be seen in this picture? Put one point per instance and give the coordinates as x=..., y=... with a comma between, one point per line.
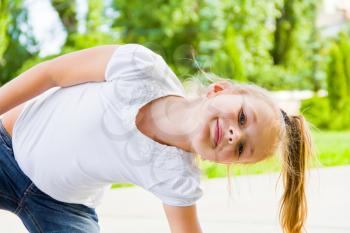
x=216, y=87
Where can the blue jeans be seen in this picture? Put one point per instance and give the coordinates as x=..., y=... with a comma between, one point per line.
x=38, y=211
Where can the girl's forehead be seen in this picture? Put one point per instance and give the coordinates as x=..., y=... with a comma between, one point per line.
x=266, y=115
x=260, y=104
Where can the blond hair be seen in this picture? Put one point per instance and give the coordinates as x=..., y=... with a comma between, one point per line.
x=294, y=143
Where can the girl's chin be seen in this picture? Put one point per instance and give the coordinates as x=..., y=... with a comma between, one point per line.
x=210, y=155
x=205, y=154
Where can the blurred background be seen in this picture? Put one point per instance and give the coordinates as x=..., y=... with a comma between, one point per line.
x=300, y=50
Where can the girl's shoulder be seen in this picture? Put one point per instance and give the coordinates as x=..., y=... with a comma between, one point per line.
x=135, y=63
x=136, y=75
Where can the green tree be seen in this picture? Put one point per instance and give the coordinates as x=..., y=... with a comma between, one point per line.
x=76, y=40
x=95, y=15
x=336, y=76
x=344, y=46
x=234, y=42
x=227, y=61
x=68, y=14
x=296, y=43
x=285, y=26
x=333, y=111
x=234, y=39
x=314, y=45
x=4, y=21
x=94, y=35
x=170, y=28
x=13, y=51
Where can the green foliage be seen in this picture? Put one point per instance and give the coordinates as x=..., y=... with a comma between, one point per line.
x=333, y=112
x=13, y=66
x=67, y=13
x=296, y=43
x=4, y=21
x=230, y=38
x=75, y=40
x=317, y=111
x=170, y=28
x=344, y=46
x=227, y=61
x=340, y=119
x=321, y=113
x=234, y=39
x=294, y=26
x=236, y=42
x=95, y=17
x=14, y=53
x=286, y=25
x=336, y=76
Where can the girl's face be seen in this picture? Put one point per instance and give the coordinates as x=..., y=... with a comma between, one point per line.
x=235, y=128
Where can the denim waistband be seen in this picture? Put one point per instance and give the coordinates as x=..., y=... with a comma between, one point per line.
x=4, y=134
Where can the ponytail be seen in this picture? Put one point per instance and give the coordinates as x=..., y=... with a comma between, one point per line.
x=295, y=156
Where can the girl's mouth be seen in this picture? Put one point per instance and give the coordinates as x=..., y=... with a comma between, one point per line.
x=217, y=133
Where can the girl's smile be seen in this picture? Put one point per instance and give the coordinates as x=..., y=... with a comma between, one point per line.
x=218, y=133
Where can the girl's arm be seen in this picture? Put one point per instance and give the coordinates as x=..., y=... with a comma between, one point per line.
x=182, y=219
x=86, y=65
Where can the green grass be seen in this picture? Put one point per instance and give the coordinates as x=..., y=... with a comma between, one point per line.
x=213, y=170
x=332, y=149
x=124, y=185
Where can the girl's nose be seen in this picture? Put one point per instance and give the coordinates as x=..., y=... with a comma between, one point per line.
x=232, y=135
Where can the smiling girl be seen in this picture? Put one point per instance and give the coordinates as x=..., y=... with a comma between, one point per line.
x=73, y=125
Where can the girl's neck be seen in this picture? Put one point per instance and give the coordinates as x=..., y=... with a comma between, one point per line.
x=170, y=120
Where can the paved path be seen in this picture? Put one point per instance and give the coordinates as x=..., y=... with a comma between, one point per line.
x=252, y=209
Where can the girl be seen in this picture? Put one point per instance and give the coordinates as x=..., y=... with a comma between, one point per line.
x=63, y=144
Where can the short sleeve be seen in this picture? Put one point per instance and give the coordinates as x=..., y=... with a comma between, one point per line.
x=132, y=61
x=178, y=190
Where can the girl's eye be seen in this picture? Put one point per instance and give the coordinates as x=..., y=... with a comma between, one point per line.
x=241, y=118
x=240, y=148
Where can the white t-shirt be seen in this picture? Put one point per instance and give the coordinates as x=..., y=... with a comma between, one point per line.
x=74, y=142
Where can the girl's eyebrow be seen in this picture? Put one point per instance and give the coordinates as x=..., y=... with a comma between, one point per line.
x=245, y=106
x=252, y=149
x=254, y=115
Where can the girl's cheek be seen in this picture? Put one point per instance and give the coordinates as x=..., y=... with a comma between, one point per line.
x=228, y=156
